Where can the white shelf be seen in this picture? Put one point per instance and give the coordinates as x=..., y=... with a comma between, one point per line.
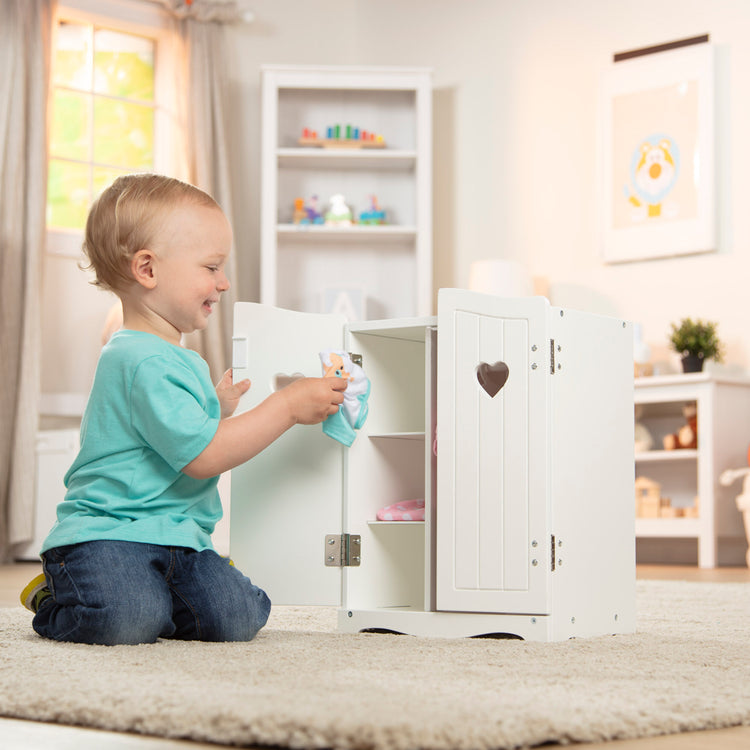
x=666, y=456
x=309, y=267
x=314, y=233
x=395, y=523
x=346, y=158
x=668, y=527
x=723, y=414
x=398, y=436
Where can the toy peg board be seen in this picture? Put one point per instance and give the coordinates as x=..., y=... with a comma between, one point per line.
x=340, y=143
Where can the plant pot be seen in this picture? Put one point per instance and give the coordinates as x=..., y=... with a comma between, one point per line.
x=692, y=363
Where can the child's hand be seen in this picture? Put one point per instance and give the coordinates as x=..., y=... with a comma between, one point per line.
x=311, y=400
x=229, y=393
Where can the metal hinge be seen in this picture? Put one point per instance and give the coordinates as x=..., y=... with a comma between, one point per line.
x=343, y=550
x=553, y=552
x=552, y=356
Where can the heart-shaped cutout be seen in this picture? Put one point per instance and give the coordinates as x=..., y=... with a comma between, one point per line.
x=281, y=380
x=492, y=377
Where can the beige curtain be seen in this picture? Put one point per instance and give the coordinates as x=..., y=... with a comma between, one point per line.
x=208, y=160
x=202, y=105
x=25, y=44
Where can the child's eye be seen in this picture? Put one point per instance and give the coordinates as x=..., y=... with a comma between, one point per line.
x=213, y=268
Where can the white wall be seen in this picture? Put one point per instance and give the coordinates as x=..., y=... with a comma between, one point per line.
x=515, y=133
x=516, y=125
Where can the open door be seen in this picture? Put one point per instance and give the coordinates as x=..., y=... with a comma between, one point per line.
x=289, y=497
x=493, y=540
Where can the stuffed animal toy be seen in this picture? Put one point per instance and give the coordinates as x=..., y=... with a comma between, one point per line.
x=686, y=436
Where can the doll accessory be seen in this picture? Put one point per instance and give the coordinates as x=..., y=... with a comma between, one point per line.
x=352, y=413
x=406, y=510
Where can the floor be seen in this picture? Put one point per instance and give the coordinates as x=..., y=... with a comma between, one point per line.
x=27, y=735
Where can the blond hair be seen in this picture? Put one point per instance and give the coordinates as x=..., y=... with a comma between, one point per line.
x=124, y=220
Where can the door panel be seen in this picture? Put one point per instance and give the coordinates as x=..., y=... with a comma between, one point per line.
x=287, y=498
x=492, y=453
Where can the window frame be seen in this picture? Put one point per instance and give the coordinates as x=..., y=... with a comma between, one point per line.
x=141, y=18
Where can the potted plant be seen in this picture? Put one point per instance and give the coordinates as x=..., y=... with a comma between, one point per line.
x=696, y=341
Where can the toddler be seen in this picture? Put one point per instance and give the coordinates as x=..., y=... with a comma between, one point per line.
x=130, y=558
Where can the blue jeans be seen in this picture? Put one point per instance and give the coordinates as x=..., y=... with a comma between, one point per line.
x=112, y=592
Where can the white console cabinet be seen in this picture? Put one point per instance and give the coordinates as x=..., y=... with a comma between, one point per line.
x=528, y=527
x=383, y=270
x=723, y=407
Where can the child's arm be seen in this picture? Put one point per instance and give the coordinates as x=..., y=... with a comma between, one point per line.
x=238, y=439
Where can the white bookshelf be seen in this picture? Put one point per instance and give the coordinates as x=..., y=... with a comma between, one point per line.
x=723, y=405
x=388, y=266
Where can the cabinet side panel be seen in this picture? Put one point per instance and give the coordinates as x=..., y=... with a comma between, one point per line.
x=593, y=475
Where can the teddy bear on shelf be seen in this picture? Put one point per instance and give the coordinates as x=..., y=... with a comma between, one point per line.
x=687, y=435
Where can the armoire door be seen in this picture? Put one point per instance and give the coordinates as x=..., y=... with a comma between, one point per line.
x=493, y=536
x=289, y=497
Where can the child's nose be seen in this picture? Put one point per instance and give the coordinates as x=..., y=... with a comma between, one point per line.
x=223, y=283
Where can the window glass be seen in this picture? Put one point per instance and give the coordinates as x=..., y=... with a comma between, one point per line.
x=70, y=135
x=102, y=120
x=68, y=194
x=123, y=65
x=72, y=61
x=124, y=134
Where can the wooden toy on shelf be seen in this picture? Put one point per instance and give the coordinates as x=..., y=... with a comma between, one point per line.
x=349, y=137
x=374, y=214
x=647, y=498
x=307, y=213
x=687, y=436
x=649, y=502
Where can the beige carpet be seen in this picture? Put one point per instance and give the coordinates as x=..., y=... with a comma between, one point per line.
x=301, y=685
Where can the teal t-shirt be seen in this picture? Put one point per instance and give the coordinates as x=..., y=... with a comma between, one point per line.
x=151, y=411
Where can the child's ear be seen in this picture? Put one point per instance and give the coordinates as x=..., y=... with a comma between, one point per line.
x=142, y=266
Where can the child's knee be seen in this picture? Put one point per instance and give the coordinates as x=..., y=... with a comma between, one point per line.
x=242, y=623
x=131, y=623
x=115, y=624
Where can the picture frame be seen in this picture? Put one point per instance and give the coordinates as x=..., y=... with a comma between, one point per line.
x=658, y=154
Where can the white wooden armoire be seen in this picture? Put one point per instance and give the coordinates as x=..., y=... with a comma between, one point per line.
x=529, y=518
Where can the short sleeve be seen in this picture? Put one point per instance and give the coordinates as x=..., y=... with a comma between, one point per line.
x=171, y=409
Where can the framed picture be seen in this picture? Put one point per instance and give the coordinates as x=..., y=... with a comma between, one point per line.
x=657, y=155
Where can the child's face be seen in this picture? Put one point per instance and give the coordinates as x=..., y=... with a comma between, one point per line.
x=191, y=249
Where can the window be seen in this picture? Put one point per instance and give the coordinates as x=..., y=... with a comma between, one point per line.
x=110, y=105
x=102, y=116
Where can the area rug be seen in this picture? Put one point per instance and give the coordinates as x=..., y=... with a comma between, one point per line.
x=300, y=684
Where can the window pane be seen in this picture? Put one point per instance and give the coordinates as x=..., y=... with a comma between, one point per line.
x=72, y=65
x=123, y=65
x=124, y=134
x=67, y=195
x=71, y=126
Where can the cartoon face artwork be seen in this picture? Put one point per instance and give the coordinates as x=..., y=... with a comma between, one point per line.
x=654, y=169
